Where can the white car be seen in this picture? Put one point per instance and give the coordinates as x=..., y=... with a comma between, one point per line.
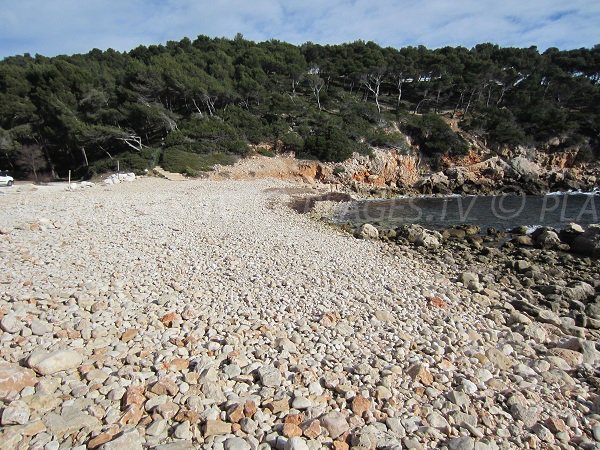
x=6, y=179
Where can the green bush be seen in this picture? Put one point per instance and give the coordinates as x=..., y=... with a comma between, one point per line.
x=328, y=144
x=266, y=152
x=292, y=142
x=135, y=162
x=435, y=136
x=249, y=125
x=175, y=160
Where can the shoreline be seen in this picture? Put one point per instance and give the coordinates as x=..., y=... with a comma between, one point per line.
x=208, y=314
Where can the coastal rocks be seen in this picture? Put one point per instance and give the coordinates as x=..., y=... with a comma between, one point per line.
x=419, y=236
x=588, y=242
x=366, y=231
x=525, y=168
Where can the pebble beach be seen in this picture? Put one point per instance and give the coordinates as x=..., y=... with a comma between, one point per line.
x=207, y=314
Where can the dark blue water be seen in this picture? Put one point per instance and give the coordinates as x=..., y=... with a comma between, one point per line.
x=501, y=212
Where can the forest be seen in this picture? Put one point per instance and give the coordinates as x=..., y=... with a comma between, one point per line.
x=190, y=104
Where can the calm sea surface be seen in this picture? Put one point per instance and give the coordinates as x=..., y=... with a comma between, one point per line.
x=501, y=212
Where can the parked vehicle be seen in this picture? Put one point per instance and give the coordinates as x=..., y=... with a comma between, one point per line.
x=6, y=179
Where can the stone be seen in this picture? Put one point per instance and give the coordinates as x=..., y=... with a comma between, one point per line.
x=269, y=376
x=157, y=428
x=14, y=378
x=528, y=415
x=235, y=413
x=236, y=443
x=129, y=334
x=57, y=361
x=39, y=327
x=360, y=405
x=301, y=403
x=216, y=427
x=384, y=316
x=420, y=374
x=71, y=420
x=335, y=423
x=312, y=429
x=129, y=440
x=461, y=443
x=291, y=430
x=459, y=398
x=296, y=443
x=436, y=420
x=556, y=425
x=588, y=243
x=366, y=231
x=16, y=413
x=183, y=430
x=499, y=359
x=571, y=357
x=10, y=323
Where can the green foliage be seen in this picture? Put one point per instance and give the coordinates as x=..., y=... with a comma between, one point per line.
x=338, y=170
x=176, y=160
x=266, y=152
x=292, y=142
x=328, y=144
x=136, y=162
x=497, y=125
x=219, y=95
x=435, y=136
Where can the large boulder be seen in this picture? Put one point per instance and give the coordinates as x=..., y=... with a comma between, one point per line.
x=548, y=239
x=366, y=231
x=525, y=168
x=588, y=243
x=419, y=236
x=436, y=183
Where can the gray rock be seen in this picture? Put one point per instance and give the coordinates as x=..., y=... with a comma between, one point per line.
x=11, y=324
x=58, y=361
x=39, y=327
x=129, y=440
x=436, y=420
x=71, y=420
x=269, y=376
x=180, y=445
x=157, y=428
x=528, y=415
x=16, y=413
x=335, y=423
x=183, y=431
x=366, y=231
x=236, y=443
x=296, y=443
x=461, y=443
x=588, y=243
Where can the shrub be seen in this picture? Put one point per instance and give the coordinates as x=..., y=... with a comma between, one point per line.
x=435, y=136
x=266, y=152
x=175, y=160
x=328, y=144
x=134, y=162
x=292, y=142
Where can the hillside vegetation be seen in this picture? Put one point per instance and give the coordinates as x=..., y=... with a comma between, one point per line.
x=189, y=104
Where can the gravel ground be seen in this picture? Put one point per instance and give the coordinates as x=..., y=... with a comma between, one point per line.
x=204, y=314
